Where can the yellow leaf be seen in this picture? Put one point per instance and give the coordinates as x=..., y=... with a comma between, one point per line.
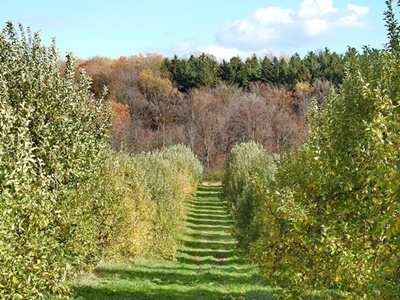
x=389, y=234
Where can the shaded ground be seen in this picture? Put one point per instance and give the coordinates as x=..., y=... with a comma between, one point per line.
x=207, y=267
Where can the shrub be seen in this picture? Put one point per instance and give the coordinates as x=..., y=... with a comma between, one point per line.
x=171, y=175
x=66, y=201
x=331, y=218
x=53, y=140
x=246, y=163
x=186, y=162
x=128, y=216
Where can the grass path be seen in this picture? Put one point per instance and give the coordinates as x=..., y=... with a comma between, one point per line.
x=206, y=268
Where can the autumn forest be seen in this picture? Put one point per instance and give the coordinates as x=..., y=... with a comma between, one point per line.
x=212, y=105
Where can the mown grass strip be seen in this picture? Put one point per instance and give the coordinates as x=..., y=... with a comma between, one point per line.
x=207, y=266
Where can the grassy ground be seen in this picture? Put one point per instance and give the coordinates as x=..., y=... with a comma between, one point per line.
x=206, y=268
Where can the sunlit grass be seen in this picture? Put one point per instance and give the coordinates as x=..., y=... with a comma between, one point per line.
x=207, y=266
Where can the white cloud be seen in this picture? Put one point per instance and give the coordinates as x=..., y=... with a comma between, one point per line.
x=274, y=27
x=273, y=15
x=261, y=27
x=247, y=33
x=220, y=52
x=359, y=10
x=354, y=19
x=227, y=53
x=316, y=8
x=313, y=22
x=315, y=27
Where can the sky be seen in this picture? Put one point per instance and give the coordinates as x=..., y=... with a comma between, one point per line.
x=223, y=28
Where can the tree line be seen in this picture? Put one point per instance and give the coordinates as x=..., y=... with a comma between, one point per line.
x=205, y=71
x=209, y=105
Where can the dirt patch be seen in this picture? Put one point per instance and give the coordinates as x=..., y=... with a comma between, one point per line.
x=211, y=183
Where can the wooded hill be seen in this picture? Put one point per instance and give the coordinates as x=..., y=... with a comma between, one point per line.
x=211, y=105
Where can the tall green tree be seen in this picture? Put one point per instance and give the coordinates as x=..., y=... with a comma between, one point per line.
x=253, y=67
x=274, y=72
x=235, y=72
x=182, y=72
x=335, y=70
x=266, y=70
x=296, y=71
x=312, y=62
x=195, y=72
x=206, y=68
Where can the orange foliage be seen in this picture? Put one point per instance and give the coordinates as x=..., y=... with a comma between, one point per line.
x=121, y=113
x=120, y=126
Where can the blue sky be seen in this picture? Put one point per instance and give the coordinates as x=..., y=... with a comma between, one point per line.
x=114, y=28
